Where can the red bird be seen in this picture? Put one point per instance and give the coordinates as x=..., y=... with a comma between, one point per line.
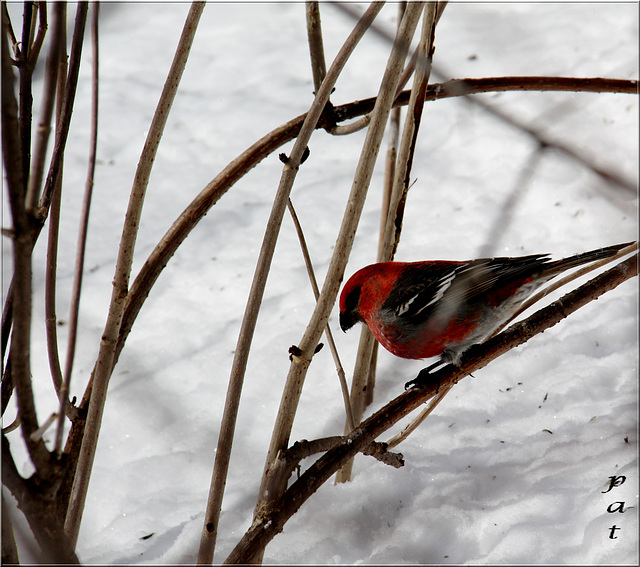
x=425, y=309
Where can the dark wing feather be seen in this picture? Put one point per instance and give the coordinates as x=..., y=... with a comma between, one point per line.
x=479, y=277
x=422, y=286
x=419, y=288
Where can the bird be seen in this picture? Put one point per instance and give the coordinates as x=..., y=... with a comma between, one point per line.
x=419, y=310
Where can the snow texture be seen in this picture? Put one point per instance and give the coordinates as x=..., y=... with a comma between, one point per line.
x=514, y=465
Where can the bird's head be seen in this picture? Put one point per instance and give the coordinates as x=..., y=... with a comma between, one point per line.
x=361, y=295
x=349, y=302
x=365, y=292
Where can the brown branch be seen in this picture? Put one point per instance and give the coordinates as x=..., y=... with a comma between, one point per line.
x=275, y=139
x=9, y=28
x=20, y=338
x=362, y=381
x=50, y=281
x=316, y=293
x=33, y=497
x=316, y=47
x=51, y=326
x=243, y=345
x=67, y=108
x=464, y=87
x=265, y=528
x=303, y=449
x=46, y=113
x=26, y=98
x=34, y=50
x=104, y=364
x=84, y=222
x=268, y=144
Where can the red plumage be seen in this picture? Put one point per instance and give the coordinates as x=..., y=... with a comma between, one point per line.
x=425, y=309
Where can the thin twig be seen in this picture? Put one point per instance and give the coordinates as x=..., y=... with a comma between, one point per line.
x=273, y=484
x=303, y=449
x=34, y=49
x=413, y=425
x=20, y=343
x=62, y=132
x=82, y=234
x=393, y=223
x=51, y=320
x=50, y=279
x=227, y=426
x=26, y=98
x=316, y=47
x=48, y=101
x=104, y=364
x=316, y=292
x=9, y=27
x=392, y=147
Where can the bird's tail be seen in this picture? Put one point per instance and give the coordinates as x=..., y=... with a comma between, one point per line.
x=584, y=258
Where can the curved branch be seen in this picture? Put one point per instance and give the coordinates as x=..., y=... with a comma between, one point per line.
x=246, y=161
x=104, y=364
x=265, y=528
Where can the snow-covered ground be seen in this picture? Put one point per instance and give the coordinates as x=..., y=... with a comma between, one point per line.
x=514, y=465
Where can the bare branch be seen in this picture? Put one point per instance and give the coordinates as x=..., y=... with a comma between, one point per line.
x=104, y=364
x=60, y=21
x=227, y=427
x=19, y=355
x=82, y=234
x=269, y=143
x=62, y=132
x=316, y=47
x=51, y=270
x=34, y=50
x=415, y=423
x=316, y=292
x=273, y=484
x=48, y=101
x=393, y=223
x=304, y=449
x=9, y=28
x=26, y=98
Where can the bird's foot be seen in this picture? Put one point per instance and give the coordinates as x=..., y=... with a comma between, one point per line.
x=423, y=376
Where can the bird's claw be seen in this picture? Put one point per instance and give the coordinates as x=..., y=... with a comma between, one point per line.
x=420, y=380
x=423, y=376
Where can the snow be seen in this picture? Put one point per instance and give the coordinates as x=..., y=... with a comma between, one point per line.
x=514, y=464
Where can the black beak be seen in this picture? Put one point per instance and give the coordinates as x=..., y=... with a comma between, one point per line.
x=348, y=320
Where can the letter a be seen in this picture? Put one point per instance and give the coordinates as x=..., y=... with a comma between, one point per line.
x=618, y=508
